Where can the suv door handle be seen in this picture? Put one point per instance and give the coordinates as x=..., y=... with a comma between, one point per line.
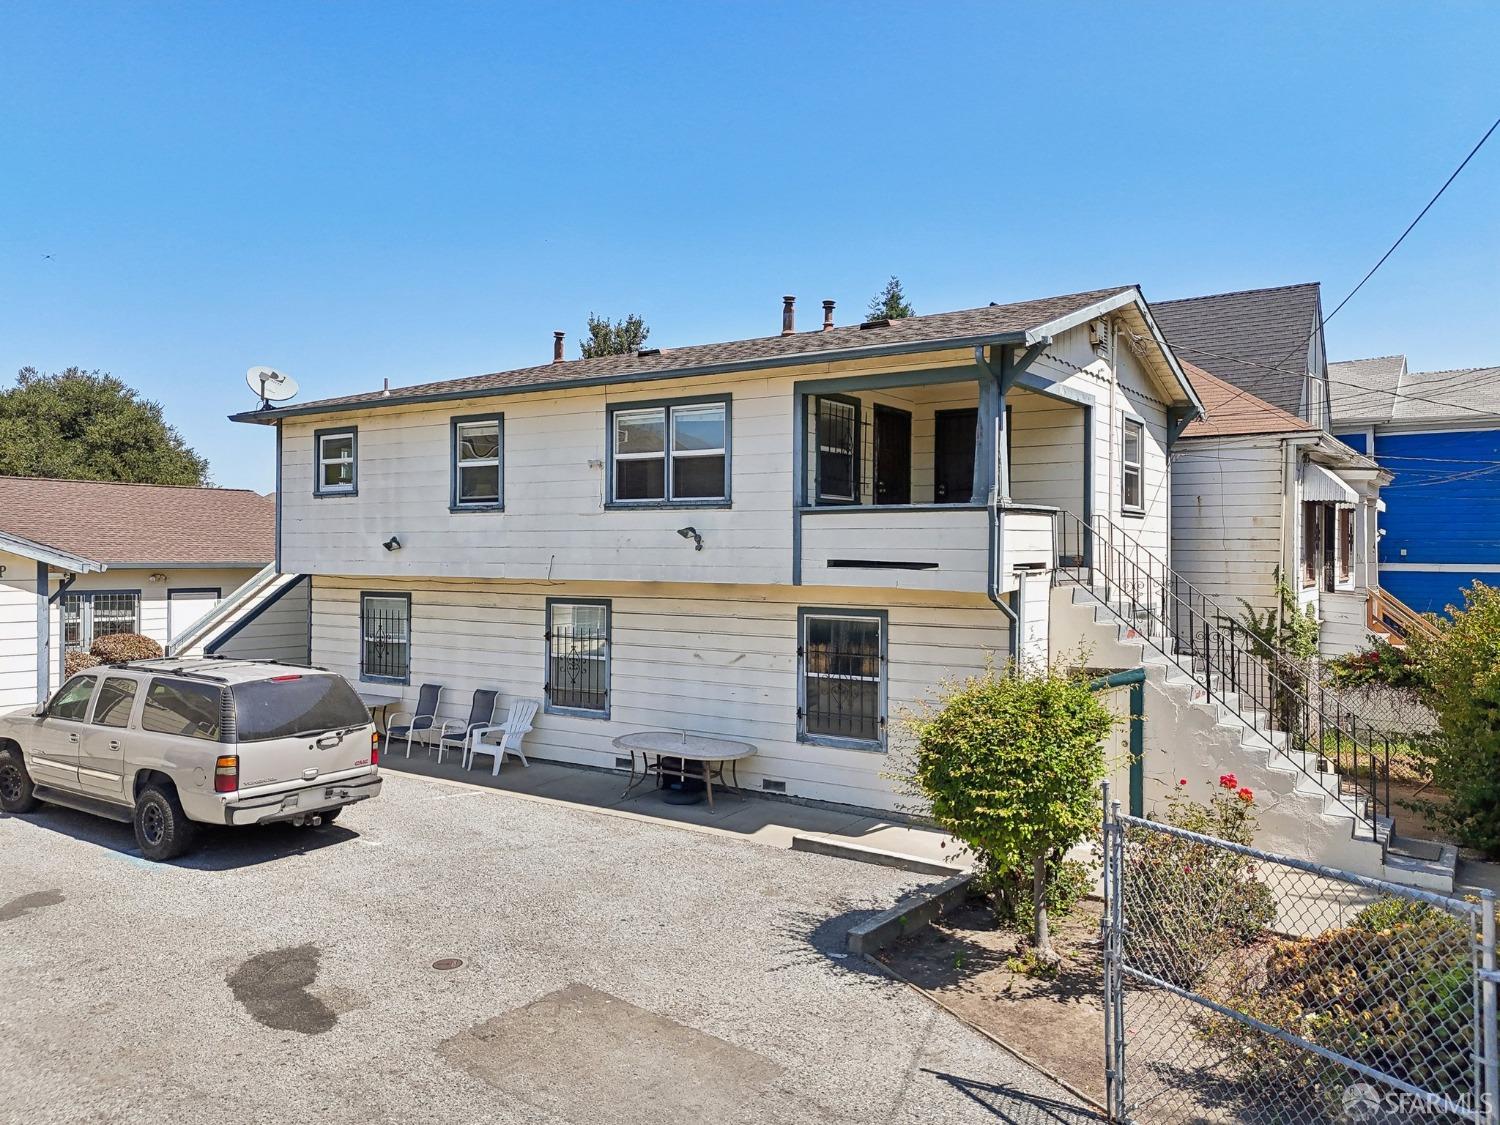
x=73, y=736
x=114, y=743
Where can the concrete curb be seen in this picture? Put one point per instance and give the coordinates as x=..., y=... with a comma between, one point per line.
x=841, y=849
x=889, y=925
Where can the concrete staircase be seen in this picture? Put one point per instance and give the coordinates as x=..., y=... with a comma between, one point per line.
x=1199, y=728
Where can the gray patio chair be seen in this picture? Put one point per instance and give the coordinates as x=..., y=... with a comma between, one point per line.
x=515, y=727
x=455, y=733
x=420, y=723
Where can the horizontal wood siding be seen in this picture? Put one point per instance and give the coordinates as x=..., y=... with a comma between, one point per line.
x=956, y=539
x=279, y=632
x=697, y=657
x=17, y=631
x=1226, y=518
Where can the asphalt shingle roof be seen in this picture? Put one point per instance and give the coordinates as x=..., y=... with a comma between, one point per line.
x=1383, y=392
x=124, y=524
x=1230, y=411
x=935, y=328
x=1257, y=339
x=1364, y=390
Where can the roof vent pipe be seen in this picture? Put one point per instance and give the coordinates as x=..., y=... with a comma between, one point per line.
x=788, y=315
x=557, y=346
x=827, y=316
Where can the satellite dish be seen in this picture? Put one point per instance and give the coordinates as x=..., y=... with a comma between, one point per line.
x=271, y=385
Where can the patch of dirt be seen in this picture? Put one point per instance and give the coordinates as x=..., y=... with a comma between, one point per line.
x=1409, y=823
x=1058, y=1024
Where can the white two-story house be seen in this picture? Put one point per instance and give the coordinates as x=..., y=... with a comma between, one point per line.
x=790, y=541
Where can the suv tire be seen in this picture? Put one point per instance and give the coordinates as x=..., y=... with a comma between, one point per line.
x=162, y=829
x=17, y=793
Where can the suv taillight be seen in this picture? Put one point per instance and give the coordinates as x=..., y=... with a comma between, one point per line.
x=226, y=774
x=374, y=748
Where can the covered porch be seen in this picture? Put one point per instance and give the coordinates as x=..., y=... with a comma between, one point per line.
x=940, y=480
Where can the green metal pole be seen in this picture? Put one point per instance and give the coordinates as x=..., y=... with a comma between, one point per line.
x=1135, y=679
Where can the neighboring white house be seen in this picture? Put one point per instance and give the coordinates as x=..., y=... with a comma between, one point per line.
x=1258, y=492
x=789, y=540
x=81, y=559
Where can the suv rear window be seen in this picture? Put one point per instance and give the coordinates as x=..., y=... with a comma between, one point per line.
x=294, y=705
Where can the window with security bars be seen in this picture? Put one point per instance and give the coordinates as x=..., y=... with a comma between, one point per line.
x=578, y=657
x=385, y=637
x=843, y=666
x=837, y=435
x=87, y=616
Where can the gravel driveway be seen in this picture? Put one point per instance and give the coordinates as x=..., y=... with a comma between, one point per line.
x=613, y=971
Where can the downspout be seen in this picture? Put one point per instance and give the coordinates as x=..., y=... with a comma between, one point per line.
x=1135, y=678
x=992, y=510
x=43, y=633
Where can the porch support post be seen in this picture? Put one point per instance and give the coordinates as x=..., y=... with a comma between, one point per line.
x=43, y=635
x=989, y=447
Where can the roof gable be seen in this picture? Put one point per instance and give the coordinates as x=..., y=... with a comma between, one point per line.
x=123, y=524
x=1364, y=390
x=1257, y=339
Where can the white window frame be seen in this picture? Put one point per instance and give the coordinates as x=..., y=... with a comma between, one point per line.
x=321, y=462
x=669, y=455
x=881, y=620
x=1128, y=466
x=460, y=463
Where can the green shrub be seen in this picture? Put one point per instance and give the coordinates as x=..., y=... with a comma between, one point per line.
x=1013, y=897
x=76, y=661
x=116, y=648
x=1203, y=900
x=1382, y=665
x=1394, y=990
x=1010, y=766
x=1463, y=689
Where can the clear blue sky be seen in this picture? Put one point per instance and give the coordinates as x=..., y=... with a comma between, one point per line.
x=356, y=191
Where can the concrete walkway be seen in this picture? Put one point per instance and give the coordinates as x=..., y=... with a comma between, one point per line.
x=753, y=817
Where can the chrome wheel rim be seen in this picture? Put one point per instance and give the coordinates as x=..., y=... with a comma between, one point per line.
x=153, y=824
x=11, y=782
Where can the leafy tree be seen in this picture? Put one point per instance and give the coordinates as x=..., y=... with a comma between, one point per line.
x=891, y=303
x=1462, y=673
x=1009, y=765
x=88, y=425
x=620, y=337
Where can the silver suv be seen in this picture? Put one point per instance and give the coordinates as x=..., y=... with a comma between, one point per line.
x=162, y=744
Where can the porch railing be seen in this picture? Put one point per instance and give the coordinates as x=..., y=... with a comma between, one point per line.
x=1266, y=688
x=1389, y=614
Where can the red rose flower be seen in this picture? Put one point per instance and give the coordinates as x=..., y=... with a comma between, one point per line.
x=1247, y=794
x=1228, y=781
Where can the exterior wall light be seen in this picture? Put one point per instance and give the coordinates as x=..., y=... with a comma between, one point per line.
x=692, y=533
x=392, y=544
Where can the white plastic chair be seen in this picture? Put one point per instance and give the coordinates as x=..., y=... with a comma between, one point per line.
x=512, y=731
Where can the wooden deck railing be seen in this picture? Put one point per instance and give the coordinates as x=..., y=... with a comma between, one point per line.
x=1389, y=614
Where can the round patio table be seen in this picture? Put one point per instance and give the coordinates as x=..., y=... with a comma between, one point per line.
x=713, y=754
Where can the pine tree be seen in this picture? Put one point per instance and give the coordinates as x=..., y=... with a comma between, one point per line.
x=890, y=303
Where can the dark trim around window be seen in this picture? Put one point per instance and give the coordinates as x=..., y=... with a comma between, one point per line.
x=317, y=461
x=548, y=655
x=883, y=702
x=817, y=451
x=667, y=405
x=454, y=503
x=378, y=677
x=1126, y=424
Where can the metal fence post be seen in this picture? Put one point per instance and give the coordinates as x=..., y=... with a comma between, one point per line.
x=1490, y=1032
x=1105, y=937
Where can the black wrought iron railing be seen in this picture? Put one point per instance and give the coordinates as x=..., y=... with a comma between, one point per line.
x=1266, y=687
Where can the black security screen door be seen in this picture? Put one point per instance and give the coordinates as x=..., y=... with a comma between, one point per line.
x=953, y=455
x=892, y=455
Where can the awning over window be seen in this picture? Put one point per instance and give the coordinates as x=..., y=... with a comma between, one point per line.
x=1319, y=486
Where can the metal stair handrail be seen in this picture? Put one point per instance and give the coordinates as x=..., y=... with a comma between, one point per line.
x=1247, y=675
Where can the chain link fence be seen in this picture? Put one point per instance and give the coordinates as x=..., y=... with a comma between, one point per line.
x=1242, y=986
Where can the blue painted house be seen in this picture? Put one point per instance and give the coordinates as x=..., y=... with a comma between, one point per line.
x=1439, y=433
